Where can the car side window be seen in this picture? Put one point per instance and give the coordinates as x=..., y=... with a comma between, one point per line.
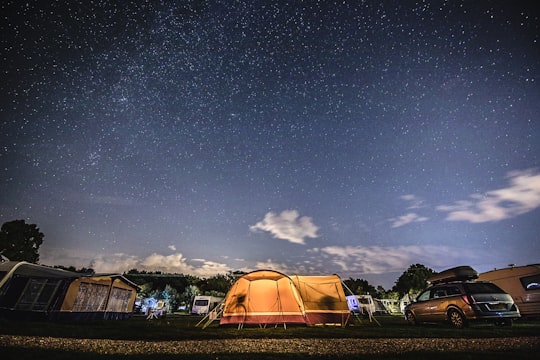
x=423, y=296
x=453, y=290
x=438, y=293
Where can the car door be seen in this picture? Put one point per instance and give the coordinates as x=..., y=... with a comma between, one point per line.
x=439, y=303
x=423, y=306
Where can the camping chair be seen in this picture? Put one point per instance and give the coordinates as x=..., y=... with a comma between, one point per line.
x=153, y=315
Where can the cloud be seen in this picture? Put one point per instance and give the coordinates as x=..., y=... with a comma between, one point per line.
x=169, y=263
x=270, y=265
x=283, y=268
x=372, y=261
x=110, y=263
x=209, y=268
x=520, y=197
x=177, y=263
x=287, y=226
x=120, y=262
x=172, y=247
x=384, y=259
x=407, y=219
x=415, y=201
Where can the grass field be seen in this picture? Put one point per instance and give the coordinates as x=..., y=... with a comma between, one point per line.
x=178, y=328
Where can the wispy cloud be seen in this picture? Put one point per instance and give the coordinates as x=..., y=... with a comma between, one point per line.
x=521, y=196
x=384, y=259
x=121, y=262
x=271, y=265
x=414, y=201
x=209, y=268
x=287, y=225
x=407, y=219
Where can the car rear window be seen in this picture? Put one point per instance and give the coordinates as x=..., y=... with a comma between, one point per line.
x=482, y=288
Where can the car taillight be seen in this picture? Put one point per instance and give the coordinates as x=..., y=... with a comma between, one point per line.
x=466, y=299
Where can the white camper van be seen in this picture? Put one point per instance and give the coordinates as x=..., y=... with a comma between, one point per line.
x=203, y=304
x=522, y=283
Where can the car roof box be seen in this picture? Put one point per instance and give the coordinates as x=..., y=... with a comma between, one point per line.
x=458, y=273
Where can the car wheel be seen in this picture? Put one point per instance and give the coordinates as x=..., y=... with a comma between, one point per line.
x=456, y=319
x=411, y=319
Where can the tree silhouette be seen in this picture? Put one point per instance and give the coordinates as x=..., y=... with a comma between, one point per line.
x=413, y=279
x=20, y=241
x=360, y=286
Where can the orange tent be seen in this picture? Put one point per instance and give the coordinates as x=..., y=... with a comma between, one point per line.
x=267, y=297
x=324, y=299
x=263, y=297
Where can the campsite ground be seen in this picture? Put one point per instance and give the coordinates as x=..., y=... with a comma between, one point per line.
x=176, y=337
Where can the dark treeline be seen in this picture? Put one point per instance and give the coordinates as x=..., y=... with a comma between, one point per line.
x=150, y=282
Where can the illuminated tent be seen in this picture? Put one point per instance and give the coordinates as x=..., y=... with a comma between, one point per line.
x=324, y=299
x=267, y=297
x=263, y=297
x=99, y=297
x=35, y=291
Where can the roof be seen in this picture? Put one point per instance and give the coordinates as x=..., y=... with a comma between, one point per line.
x=511, y=272
x=34, y=270
x=22, y=268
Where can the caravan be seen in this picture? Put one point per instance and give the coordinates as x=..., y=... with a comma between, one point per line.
x=522, y=283
x=32, y=291
x=203, y=304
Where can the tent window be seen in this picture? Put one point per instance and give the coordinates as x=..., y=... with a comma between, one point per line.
x=91, y=297
x=119, y=300
x=37, y=295
x=46, y=296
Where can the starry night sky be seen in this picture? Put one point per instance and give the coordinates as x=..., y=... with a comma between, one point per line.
x=310, y=137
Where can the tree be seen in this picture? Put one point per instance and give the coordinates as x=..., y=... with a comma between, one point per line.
x=20, y=241
x=413, y=280
x=72, y=268
x=380, y=293
x=171, y=295
x=218, y=283
x=189, y=294
x=359, y=286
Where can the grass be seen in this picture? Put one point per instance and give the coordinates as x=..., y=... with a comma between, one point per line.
x=183, y=328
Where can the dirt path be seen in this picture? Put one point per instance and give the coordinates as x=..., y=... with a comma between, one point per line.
x=299, y=346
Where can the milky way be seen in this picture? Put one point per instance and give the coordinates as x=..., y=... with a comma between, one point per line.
x=311, y=137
